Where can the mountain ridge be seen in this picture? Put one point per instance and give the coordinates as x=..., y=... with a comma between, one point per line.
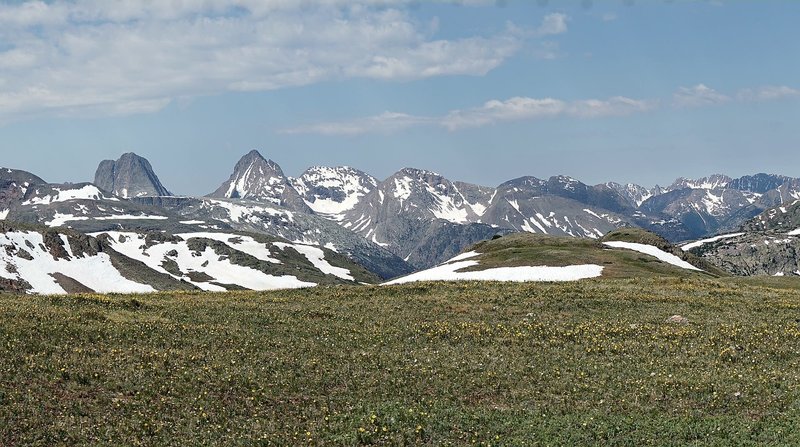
x=413, y=219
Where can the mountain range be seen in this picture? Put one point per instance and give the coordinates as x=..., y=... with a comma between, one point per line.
x=413, y=220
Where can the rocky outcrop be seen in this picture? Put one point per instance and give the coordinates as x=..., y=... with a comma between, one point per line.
x=130, y=176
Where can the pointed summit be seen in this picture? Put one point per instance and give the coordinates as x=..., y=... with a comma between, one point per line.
x=130, y=176
x=256, y=178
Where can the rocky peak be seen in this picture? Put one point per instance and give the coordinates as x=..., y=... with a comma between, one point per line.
x=333, y=191
x=130, y=176
x=711, y=182
x=256, y=178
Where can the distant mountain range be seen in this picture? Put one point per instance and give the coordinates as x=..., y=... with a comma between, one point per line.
x=413, y=220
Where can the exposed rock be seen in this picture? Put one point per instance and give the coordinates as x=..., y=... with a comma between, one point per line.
x=130, y=176
x=677, y=319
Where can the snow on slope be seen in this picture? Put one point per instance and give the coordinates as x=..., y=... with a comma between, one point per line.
x=247, y=213
x=695, y=244
x=317, y=257
x=795, y=232
x=95, y=272
x=60, y=219
x=207, y=262
x=88, y=192
x=245, y=244
x=333, y=191
x=449, y=271
x=656, y=252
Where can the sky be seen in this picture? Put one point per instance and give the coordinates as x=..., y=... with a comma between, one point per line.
x=481, y=91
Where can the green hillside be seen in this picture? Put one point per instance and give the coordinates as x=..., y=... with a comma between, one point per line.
x=523, y=249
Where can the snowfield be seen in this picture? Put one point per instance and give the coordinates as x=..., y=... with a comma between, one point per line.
x=449, y=271
x=695, y=244
x=60, y=219
x=317, y=257
x=88, y=192
x=221, y=270
x=95, y=272
x=656, y=252
x=245, y=244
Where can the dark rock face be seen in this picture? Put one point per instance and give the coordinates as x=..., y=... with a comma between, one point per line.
x=130, y=176
x=14, y=184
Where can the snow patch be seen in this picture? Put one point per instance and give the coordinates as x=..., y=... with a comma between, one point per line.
x=656, y=252
x=402, y=188
x=588, y=211
x=245, y=244
x=795, y=232
x=4, y=214
x=450, y=272
x=316, y=257
x=462, y=256
x=695, y=244
x=61, y=219
x=376, y=242
x=88, y=192
x=242, y=213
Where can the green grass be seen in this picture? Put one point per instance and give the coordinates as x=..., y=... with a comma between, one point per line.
x=523, y=249
x=586, y=363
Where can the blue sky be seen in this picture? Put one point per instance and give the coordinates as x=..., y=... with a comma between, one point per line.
x=477, y=90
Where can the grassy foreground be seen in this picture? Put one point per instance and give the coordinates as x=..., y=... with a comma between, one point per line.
x=428, y=364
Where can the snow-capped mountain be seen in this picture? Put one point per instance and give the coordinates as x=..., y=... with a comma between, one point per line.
x=718, y=203
x=560, y=206
x=129, y=176
x=333, y=191
x=270, y=219
x=256, y=178
x=413, y=219
x=714, y=181
x=634, y=194
x=768, y=244
x=414, y=207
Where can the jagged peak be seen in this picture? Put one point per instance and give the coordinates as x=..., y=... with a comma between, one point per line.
x=709, y=182
x=416, y=173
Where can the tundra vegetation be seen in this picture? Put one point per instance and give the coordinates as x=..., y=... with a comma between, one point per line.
x=583, y=363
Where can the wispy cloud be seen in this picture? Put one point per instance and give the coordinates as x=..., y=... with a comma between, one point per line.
x=522, y=108
x=491, y=112
x=387, y=122
x=552, y=24
x=702, y=95
x=698, y=96
x=129, y=56
x=768, y=93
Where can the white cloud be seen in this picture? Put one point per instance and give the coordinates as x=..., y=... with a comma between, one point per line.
x=553, y=24
x=387, y=122
x=131, y=56
x=514, y=109
x=698, y=96
x=702, y=95
x=768, y=93
x=491, y=112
